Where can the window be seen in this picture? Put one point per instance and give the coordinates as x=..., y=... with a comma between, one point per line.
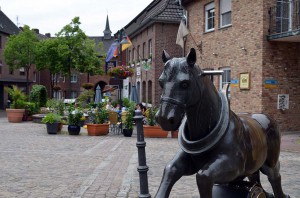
x=129, y=55
x=73, y=78
x=225, y=78
x=53, y=77
x=57, y=95
x=210, y=17
x=22, y=71
x=73, y=94
x=150, y=48
x=138, y=53
x=133, y=54
x=225, y=12
x=34, y=76
x=144, y=50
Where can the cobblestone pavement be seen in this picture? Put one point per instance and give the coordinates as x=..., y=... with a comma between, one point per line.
x=36, y=165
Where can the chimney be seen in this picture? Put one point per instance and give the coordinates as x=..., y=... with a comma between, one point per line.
x=48, y=35
x=37, y=31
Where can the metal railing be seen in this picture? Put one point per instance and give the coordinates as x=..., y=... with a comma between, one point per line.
x=284, y=17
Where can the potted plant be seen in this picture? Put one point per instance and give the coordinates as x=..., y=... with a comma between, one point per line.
x=17, y=107
x=52, y=121
x=74, y=120
x=121, y=72
x=152, y=129
x=128, y=124
x=87, y=86
x=98, y=121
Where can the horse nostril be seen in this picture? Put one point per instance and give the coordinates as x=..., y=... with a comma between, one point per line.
x=172, y=120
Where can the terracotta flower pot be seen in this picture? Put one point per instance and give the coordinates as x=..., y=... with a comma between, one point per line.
x=97, y=129
x=154, y=132
x=15, y=115
x=174, y=134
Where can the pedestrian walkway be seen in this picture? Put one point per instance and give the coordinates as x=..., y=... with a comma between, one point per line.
x=35, y=164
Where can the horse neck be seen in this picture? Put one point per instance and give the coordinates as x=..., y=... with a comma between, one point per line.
x=204, y=115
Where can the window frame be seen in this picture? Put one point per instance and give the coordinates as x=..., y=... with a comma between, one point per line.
x=209, y=7
x=150, y=48
x=73, y=78
x=225, y=12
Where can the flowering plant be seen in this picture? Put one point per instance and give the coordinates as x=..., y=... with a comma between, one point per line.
x=120, y=72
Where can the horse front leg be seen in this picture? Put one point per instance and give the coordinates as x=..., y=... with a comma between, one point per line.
x=222, y=170
x=174, y=170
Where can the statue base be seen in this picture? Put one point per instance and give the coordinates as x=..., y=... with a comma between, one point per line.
x=241, y=189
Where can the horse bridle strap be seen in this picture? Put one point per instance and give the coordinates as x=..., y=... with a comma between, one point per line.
x=209, y=141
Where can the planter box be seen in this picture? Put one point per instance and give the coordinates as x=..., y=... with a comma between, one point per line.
x=154, y=132
x=97, y=129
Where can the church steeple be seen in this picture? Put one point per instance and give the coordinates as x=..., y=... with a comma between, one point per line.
x=107, y=32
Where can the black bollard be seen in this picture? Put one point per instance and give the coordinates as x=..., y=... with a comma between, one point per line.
x=141, y=144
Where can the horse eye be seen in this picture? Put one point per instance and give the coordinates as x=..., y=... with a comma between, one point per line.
x=184, y=84
x=161, y=84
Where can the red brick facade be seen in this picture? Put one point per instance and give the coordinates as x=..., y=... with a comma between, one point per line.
x=163, y=37
x=243, y=46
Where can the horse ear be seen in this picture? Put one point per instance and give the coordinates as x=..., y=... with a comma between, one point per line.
x=191, y=57
x=165, y=56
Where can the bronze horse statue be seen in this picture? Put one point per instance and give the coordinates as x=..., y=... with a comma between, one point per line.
x=216, y=144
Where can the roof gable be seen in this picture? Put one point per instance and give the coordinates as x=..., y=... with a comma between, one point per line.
x=6, y=25
x=168, y=11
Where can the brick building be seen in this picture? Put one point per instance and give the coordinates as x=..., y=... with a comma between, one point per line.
x=71, y=86
x=256, y=43
x=10, y=77
x=151, y=32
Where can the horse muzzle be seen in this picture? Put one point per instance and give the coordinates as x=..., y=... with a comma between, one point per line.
x=169, y=116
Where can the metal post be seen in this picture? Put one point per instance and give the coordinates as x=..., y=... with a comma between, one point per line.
x=141, y=144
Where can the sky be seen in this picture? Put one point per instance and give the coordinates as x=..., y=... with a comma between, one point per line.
x=50, y=16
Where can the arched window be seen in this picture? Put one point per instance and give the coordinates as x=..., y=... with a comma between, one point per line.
x=150, y=91
x=144, y=92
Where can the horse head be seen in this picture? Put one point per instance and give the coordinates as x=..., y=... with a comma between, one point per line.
x=179, y=84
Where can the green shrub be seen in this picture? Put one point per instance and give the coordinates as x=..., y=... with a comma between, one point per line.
x=38, y=94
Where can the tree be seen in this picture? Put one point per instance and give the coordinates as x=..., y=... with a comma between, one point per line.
x=79, y=51
x=49, y=57
x=20, y=51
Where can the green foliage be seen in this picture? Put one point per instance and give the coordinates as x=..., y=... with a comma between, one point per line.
x=129, y=116
x=74, y=116
x=38, y=94
x=20, y=50
x=32, y=108
x=49, y=56
x=17, y=96
x=56, y=106
x=98, y=115
x=150, y=116
x=85, y=96
x=77, y=51
x=126, y=102
x=51, y=118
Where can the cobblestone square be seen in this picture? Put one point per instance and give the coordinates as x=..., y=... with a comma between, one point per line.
x=35, y=164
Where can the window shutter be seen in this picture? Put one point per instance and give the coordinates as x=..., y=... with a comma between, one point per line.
x=225, y=6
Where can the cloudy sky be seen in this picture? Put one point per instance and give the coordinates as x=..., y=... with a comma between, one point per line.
x=50, y=16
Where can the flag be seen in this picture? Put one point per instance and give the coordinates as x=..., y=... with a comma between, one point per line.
x=116, y=52
x=182, y=32
x=111, y=51
x=126, y=45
